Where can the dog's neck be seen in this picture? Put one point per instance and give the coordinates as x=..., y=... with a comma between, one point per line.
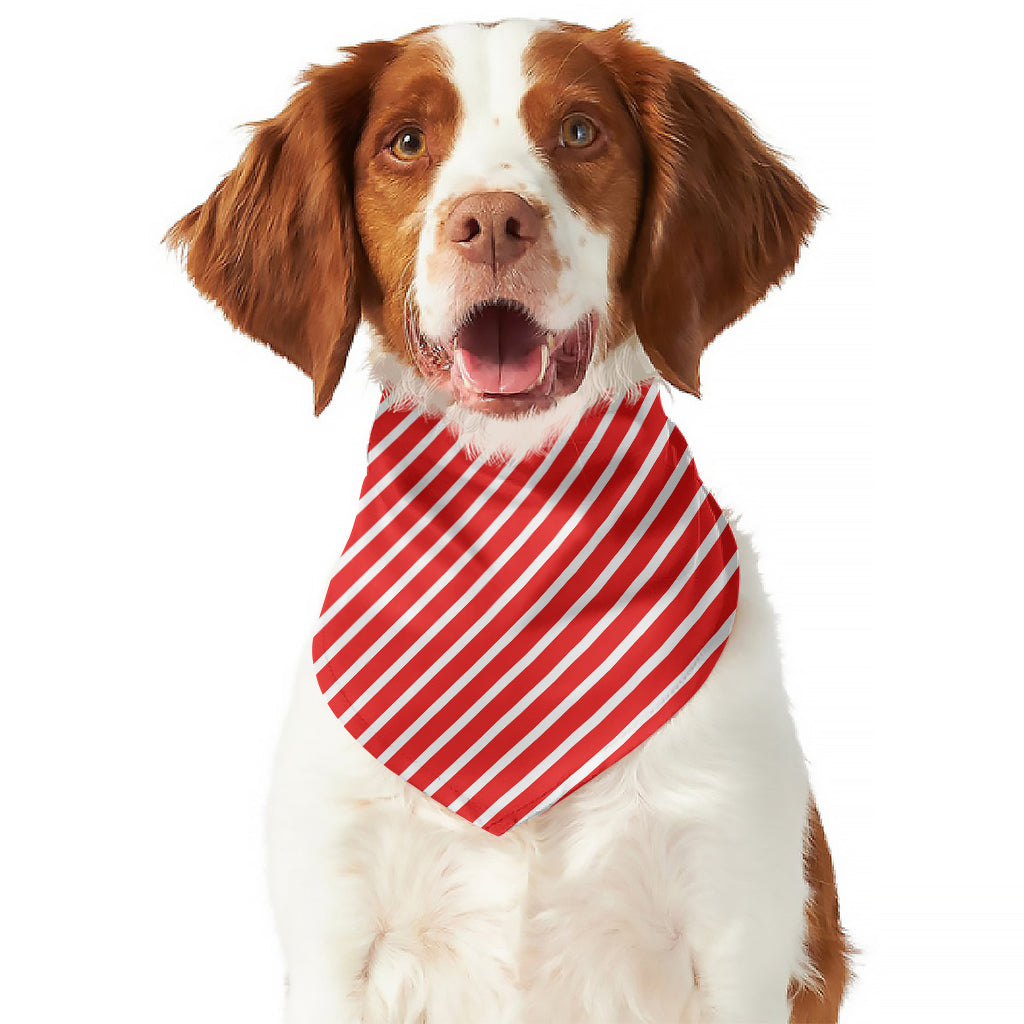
x=620, y=371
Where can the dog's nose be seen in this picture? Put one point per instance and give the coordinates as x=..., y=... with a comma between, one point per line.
x=493, y=227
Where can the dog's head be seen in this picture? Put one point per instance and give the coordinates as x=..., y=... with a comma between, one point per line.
x=508, y=206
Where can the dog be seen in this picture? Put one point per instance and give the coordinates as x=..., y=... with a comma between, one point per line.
x=536, y=221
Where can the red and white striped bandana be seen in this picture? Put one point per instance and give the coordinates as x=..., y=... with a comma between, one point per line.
x=498, y=634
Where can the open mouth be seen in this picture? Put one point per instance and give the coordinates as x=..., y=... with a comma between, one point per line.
x=502, y=360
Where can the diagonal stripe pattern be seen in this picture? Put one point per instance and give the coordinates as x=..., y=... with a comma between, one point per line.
x=497, y=634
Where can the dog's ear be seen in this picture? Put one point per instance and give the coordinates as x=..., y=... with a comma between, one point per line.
x=275, y=245
x=723, y=219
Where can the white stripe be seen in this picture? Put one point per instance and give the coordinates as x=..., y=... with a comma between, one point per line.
x=605, y=710
x=620, y=555
x=385, y=442
x=395, y=470
x=389, y=517
x=596, y=631
x=638, y=723
x=609, y=663
x=495, y=609
x=492, y=569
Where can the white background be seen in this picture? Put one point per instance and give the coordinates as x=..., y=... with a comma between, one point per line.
x=170, y=506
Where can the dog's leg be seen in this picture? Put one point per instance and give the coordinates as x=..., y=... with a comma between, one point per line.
x=314, y=890
x=694, y=917
x=390, y=909
x=818, y=978
x=671, y=887
x=817, y=997
x=735, y=780
x=741, y=794
x=744, y=905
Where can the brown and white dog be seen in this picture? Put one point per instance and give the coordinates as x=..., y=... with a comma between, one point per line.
x=608, y=213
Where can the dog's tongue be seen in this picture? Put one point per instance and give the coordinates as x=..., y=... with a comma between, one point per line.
x=501, y=351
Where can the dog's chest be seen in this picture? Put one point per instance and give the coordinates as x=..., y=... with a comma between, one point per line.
x=499, y=634
x=613, y=899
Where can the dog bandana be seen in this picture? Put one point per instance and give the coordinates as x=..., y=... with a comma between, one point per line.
x=497, y=634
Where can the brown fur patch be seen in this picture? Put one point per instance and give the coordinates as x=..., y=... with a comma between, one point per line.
x=275, y=245
x=723, y=219
x=603, y=182
x=390, y=196
x=828, y=947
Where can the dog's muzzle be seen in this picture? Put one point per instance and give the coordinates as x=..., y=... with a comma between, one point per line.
x=501, y=360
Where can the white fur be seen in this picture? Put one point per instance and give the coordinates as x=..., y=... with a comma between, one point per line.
x=669, y=888
x=493, y=151
x=623, y=368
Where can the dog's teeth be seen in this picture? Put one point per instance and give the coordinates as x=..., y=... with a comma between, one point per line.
x=545, y=359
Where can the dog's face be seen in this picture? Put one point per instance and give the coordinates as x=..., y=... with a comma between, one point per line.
x=506, y=205
x=497, y=189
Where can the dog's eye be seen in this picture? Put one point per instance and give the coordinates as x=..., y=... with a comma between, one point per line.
x=409, y=144
x=577, y=132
